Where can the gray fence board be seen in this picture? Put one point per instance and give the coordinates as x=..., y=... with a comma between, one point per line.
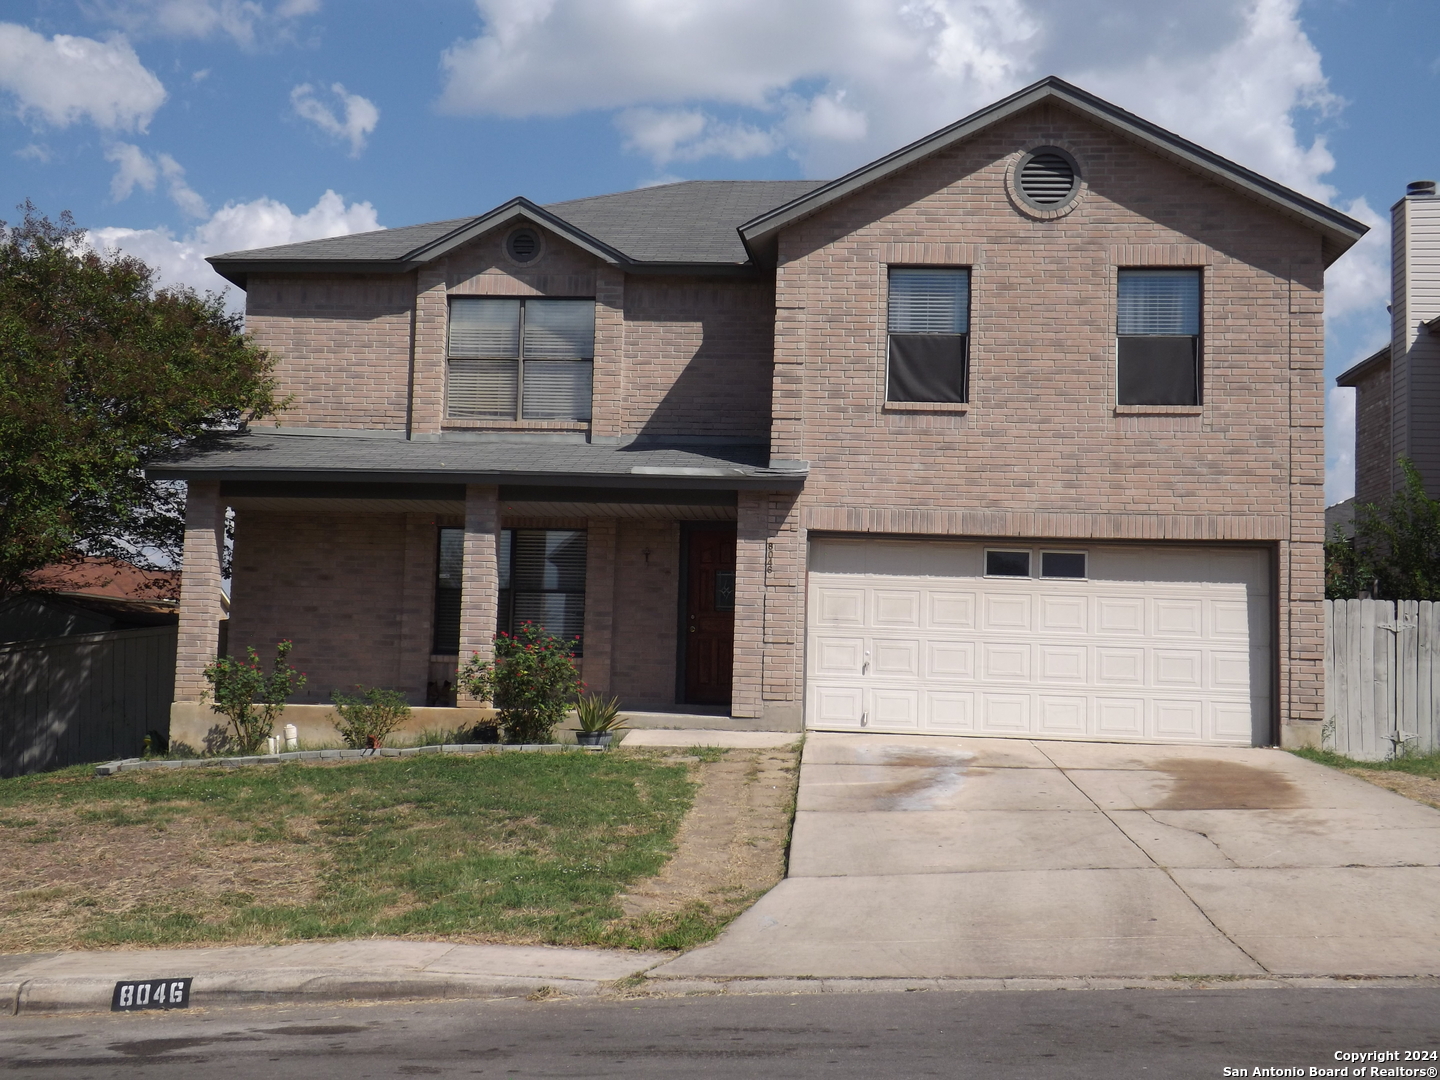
x=91, y=697
x=1382, y=677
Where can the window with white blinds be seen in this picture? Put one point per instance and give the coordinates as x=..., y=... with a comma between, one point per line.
x=526, y=359
x=1158, y=337
x=929, y=331
x=542, y=580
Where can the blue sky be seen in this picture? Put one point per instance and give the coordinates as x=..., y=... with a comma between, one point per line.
x=179, y=128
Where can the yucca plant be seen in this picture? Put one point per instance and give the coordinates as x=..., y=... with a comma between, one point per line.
x=597, y=715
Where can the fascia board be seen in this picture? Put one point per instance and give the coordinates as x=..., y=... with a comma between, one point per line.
x=754, y=482
x=1340, y=230
x=516, y=208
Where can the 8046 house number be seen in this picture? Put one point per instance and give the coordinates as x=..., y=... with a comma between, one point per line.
x=151, y=994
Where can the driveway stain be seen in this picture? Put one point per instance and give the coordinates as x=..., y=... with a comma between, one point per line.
x=1197, y=784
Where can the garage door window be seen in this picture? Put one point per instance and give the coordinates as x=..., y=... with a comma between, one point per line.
x=1062, y=564
x=929, y=324
x=1007, y=564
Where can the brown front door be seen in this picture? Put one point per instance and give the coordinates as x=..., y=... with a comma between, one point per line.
x=709, y=615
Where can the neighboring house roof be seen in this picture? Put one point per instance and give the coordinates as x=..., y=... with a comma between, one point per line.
x=1342, y=514
x=1379, y=358
x=105, y=577
x=670, y=227
x=251, y=456
x=732, y=226
x=1338, y=231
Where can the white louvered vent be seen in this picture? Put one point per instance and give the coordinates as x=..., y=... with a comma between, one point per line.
x=1048, y=179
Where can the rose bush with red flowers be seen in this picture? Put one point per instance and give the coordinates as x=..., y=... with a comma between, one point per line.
x=532, y=682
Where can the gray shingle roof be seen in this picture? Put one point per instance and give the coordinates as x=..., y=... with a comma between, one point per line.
x=690, y=222
x=265, y=456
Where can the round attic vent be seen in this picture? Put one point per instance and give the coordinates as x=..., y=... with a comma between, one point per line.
x=523, y=245
x=1048, y=178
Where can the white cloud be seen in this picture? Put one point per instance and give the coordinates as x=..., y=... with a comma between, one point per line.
x=1339, y=444
x=34, y=152
x=235, y=227
x=359, y=121
x=64, y=79
x=839, y=82
x=666, y=135
x=134, y=168
x=247, y=22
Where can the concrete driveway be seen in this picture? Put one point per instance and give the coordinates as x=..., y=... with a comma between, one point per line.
x=1002, y=858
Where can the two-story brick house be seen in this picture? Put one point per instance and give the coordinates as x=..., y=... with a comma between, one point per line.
x=1016, y=431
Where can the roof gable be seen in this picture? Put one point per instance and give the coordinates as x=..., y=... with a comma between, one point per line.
x=1338, y=231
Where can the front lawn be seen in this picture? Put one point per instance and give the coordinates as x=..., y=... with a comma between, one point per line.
x=511, y=847
x=1416, y=776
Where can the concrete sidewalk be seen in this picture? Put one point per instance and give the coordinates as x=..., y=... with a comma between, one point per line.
x=996, y=858
x=342, y=970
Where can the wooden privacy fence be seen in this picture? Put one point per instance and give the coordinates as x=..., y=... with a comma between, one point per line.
x=85, y=698
x=1382, y=677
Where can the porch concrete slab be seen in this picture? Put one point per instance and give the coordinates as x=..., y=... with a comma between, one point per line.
x=1410, y=836
x=938, y=842
x=990, y=924
x=1327, y=921
x=738, y=740
x=859, y=788
x=845, y=748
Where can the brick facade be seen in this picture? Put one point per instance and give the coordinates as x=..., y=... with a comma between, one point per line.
x=1041, y=451
x=1373, y=465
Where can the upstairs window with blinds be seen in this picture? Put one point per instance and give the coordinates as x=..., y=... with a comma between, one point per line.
x=520, y=359
x=1158, y=338
x=542, y=580
x=929, y=330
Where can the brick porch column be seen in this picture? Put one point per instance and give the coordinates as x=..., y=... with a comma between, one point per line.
x=201, y=603
x=480, y=587
x=599, y=604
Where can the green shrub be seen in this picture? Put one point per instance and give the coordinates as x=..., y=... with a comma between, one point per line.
x=240, y=686
x=366, y=721
x=531, y=682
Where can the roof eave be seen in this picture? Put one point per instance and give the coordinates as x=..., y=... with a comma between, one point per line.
x=1338, y=231
x=1353, y=376
x=763, y=480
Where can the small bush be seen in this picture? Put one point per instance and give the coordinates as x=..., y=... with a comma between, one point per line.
x=240, y=686
x=366, y=721
x=596, y=714
x=531, y=682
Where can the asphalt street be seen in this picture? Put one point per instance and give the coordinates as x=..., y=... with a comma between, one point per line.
x=1043, y=1033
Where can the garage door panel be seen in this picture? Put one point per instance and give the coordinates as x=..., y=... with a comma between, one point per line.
x=1135, y=657
x=1120, y=615
x=1064, y=615
x=1005, y=713
x=837, y=655
x=838, y=607
x=895, y=658
x=1120, y=717
x=1008, y=662
x=1062, y=715
x=1179, y=718
x=1006, y=611
x=950, y=711
x=896, y=609
x=894, y=709
x=950, y=660
x=1119, y=667
x=1062, y=663
x=952, y=610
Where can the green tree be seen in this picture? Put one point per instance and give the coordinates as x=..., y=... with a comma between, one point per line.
x=100, y=373
x=1395, y=552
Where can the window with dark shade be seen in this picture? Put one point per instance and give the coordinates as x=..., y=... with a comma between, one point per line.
x=929, y=330
x=1007, y=564
x=1062, y=564
x=449, y=565
x=1158, y=338
x=520, y=359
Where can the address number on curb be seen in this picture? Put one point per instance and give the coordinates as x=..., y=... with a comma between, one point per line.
x=151, y=994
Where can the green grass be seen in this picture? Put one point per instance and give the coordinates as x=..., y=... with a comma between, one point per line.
x=530, y=847
x=1416, y=764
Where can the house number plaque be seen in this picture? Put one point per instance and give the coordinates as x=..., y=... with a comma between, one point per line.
x=151, y=994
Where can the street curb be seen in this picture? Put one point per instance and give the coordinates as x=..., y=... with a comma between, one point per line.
x=662, y=987
x=40, y=995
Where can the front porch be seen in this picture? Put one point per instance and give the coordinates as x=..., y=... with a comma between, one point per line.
x=384, y=582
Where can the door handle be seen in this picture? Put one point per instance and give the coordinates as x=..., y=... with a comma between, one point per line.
x=865, y=667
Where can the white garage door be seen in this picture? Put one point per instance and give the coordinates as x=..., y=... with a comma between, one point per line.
x=1155, y=644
